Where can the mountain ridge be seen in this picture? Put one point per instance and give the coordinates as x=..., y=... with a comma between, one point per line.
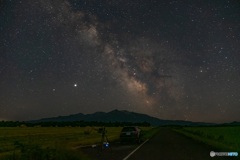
x=120, y=116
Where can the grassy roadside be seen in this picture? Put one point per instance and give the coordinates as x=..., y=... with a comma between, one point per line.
x=53, y=143
x=209, y=140
x=34, y=151
x=150, y=133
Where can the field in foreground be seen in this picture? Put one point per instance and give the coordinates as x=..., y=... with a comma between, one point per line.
x=225, y=139
x=14, y=140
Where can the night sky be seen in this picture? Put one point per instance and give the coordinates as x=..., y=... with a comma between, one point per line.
x=177, y=60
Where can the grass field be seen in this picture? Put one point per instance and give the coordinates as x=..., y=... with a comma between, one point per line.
x=55, y=137
x=223, y=138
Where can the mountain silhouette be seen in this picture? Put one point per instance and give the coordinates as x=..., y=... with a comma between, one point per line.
x=120, y=116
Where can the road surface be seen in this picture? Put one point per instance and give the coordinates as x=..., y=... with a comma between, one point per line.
x=165, y=145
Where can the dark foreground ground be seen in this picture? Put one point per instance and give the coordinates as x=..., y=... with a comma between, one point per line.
x=165, y=145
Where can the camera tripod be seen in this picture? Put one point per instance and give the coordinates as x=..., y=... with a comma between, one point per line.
x=104, y=141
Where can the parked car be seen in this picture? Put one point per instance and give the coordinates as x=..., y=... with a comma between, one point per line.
x=131, y=133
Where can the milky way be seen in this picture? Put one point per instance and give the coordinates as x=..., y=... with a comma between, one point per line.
x=170, y=59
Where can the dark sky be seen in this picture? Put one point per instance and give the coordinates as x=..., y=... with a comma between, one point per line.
x=177, y=60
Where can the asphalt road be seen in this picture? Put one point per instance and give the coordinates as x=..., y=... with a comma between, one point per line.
x=165, y=145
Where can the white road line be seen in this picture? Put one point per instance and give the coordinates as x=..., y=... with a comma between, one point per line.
x=134, y=150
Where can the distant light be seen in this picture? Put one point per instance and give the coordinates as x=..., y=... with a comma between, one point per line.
x=75, y=85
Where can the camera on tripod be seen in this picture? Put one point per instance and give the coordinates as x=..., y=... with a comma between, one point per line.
x=104, y=139
x=102, y=130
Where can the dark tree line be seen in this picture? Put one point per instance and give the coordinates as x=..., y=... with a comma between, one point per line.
x=73, y=124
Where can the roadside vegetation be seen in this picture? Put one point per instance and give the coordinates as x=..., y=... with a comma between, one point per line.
x=149, y=133
x=50, y=143
x=225, y=139
x=71, y=123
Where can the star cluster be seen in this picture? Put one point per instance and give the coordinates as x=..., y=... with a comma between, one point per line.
x=169, y=59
